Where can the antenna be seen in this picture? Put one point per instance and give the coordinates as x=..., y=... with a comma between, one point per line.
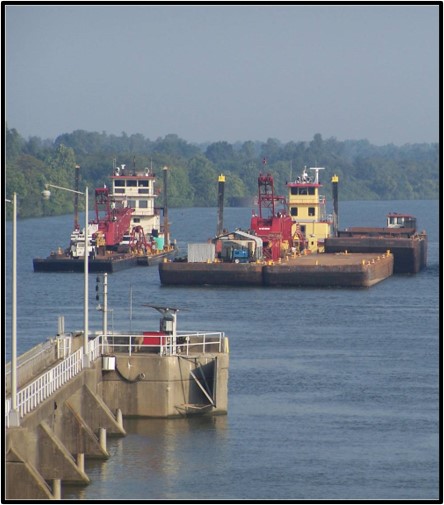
x=317, y=173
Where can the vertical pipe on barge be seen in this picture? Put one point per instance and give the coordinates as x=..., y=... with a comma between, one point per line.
x=165, y=207
x=220, y=202
x=334, y=182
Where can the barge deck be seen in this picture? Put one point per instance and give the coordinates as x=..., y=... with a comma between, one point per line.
x=409, y=249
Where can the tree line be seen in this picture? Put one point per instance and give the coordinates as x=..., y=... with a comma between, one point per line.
x=366, y=171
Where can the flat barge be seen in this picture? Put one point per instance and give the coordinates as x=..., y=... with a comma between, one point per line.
x=408, y=246
x=99, y=264
x=293, y=242
x=316, y=270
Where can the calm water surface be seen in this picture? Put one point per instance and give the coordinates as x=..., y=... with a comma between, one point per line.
x=333, y=393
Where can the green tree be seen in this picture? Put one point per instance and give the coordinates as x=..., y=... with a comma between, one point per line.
x=26, y=177
x=203, y=177
x=234, y=186
x=180, y=191
x=271, y=151
x=14, y=144
x=59, y=170
x=220, y=153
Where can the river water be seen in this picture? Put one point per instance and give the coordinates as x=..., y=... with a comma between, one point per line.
x=333, y=393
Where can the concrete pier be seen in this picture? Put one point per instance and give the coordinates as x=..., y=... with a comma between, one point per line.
x=66, y=416
x=170, y=386
x=52, y=440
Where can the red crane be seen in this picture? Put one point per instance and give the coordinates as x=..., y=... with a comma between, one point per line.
x=113, y=222
x=275, y=229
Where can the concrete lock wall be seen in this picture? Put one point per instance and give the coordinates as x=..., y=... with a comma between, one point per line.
x=52, y=441
x=50, y=445
x=164, y=386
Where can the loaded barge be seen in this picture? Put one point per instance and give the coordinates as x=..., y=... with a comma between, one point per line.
x=294, y=242
x=408, y=246
x=284, y=246
x=126, y=232
x=317, y=270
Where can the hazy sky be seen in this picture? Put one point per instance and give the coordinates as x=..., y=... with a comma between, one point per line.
x=225, y=72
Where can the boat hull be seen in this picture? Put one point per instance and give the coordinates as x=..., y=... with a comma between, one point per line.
x=59, y=263
x=410, y=254
x=326, y=270
x=317, y=270
x=219, y=274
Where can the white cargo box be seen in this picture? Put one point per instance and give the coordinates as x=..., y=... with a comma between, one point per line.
x=201, y=253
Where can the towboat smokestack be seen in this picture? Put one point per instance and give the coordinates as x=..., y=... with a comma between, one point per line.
x=334, y=183
x=220, y=200
x=166, y=230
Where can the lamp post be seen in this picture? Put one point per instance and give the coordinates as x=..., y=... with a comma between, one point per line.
x=14, y=417
x=46, y=194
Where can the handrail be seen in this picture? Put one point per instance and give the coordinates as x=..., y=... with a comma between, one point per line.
x=186, y=343
x=7, y=411
x=95, y=348
x=41, y=388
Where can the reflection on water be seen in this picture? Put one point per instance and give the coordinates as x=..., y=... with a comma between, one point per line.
x=155, y=456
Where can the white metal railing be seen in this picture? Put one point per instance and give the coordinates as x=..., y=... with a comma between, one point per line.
x=39, y=390
x=64, y=345
x=95, y=348
x=166, y=345
x=7, y=411
x=185, y=343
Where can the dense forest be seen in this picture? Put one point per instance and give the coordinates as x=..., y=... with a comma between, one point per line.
x=366, y=172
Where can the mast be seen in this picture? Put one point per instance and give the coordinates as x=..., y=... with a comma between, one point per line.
x=220, y=199
x=334, y=182
x=266, y=198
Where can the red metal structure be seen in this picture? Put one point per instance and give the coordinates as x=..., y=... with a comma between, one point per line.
x=113, y=222
x=138, y=242
x=275, y=228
